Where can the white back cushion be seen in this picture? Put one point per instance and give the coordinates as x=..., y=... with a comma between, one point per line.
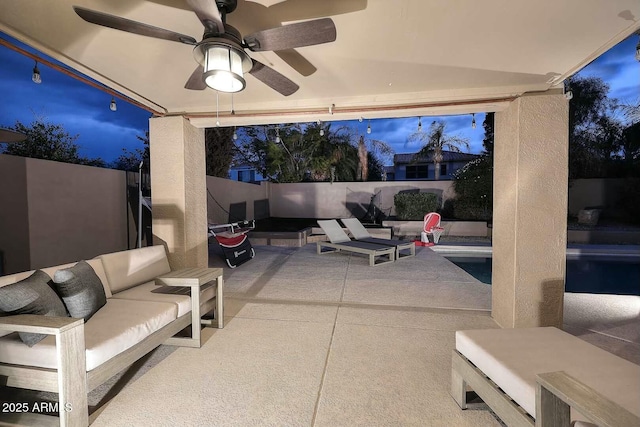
x=127, y=269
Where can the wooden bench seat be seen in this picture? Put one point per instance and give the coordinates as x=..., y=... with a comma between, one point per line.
x=501, y=366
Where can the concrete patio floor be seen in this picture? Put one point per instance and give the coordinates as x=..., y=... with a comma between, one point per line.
x=327, y=340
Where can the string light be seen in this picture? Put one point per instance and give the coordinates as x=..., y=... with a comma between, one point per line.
x=369, y=127
x=35, y=77
x=112, y=105
x=278, y=135
x=473, y=121
x=235, y=134
x=217, y=109
x=419, y=124
x=360, y=119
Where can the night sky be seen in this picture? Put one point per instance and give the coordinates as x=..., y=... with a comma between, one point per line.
x=84, y=110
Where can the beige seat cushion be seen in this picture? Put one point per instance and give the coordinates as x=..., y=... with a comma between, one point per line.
x=117, y=326
x=175, y=294
x=513, y=357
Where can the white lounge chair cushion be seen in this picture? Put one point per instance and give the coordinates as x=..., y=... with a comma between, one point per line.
x=127, y=269
x=334, y=232
x=145, y=292
x=117, y=326
x=513, y=357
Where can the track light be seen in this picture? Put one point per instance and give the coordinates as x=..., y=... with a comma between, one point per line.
x=112, y=105
x=369, y=127
x=473, y=120
x=419, y=124
x=235, y=134
x=35, y=77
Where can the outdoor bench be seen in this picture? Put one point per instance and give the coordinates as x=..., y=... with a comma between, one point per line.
x=531, y=376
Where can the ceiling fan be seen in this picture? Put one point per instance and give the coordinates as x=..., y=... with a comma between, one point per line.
x=222, y=52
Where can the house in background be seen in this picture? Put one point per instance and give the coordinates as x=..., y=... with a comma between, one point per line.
x=244, y=173
x=408, y=168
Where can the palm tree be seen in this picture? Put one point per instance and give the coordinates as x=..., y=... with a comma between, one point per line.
x=435, y=141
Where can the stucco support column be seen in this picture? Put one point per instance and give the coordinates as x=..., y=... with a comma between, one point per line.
x=530, y=186
x=179, y=190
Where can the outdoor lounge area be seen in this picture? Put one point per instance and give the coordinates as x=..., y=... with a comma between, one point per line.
x=328, y=340
x=310, y=339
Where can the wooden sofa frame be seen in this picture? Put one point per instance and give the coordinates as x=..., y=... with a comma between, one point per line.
x=71, y=380
x=556, y=393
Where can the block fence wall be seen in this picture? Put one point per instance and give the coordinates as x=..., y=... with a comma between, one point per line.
x=52, y=213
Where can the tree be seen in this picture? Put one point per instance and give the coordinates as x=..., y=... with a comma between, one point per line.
x=593, y=133
x=304, y=152
x=130, y=160
x=435, y=141
x=488, y=126
x=49, y=141
x=219, y=150
x=473, y=183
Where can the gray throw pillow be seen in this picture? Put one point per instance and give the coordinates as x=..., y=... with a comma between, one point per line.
x=32, y=295
x=80, y=289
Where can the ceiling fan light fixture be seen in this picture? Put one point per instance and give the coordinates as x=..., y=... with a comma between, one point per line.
x=223, y=70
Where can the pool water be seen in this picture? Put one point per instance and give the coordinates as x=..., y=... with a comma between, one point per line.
x=597, y=275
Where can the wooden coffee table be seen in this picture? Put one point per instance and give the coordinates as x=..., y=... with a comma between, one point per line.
x=196, y=278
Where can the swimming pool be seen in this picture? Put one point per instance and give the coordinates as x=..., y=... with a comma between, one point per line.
x=588, y=274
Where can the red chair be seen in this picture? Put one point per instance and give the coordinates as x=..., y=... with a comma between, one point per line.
x=431, y=227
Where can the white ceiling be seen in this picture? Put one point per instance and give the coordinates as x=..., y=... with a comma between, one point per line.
x=391, y=58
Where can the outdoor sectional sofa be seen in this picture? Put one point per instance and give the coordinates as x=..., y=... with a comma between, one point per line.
x=545, y=377
x=77, y=356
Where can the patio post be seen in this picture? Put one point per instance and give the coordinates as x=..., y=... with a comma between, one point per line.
x=179, y=190
x=530, y=211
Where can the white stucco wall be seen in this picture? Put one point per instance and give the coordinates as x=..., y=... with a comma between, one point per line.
x=224, y=192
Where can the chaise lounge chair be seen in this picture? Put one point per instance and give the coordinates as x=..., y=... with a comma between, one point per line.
x=362, y=235
x=339, y=241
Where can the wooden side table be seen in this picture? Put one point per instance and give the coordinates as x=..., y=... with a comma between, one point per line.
x=196, y=278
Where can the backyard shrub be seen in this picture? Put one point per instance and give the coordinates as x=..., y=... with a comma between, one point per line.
x=474, y=190
x=414, y=206
x=629, y=205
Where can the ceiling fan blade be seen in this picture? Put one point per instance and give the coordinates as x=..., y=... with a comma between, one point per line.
x=208, y=13
x=130, y=26
x=293, y=35
x=196, y=80
x=273, y=79
x=296, y=61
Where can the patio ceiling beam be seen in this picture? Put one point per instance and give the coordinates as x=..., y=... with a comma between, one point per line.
x=334, y=113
